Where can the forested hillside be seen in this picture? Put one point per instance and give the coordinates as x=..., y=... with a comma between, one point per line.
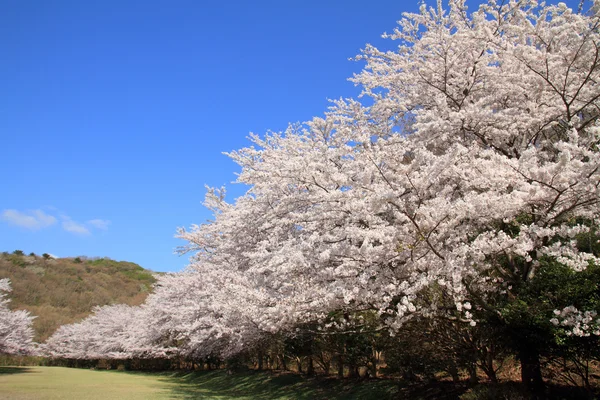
x=64, y=290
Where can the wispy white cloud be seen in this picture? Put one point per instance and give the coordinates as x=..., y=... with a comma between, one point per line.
x=99, y=224
x=38, y=219
x=31, y=219
x=74, y=227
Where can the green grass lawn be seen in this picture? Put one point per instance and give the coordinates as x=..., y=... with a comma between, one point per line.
x=50, y=383
x=65, y=383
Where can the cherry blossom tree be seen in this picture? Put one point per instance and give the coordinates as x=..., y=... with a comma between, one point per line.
x=476, y=163
x=191, y=315
x=199, y=314
x=471, y=168
x=111, y=332
x=16, y=332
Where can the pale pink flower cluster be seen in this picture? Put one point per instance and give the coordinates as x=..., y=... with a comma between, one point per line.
x=577, y=323
x=16, y=331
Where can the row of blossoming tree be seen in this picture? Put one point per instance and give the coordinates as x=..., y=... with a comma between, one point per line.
x=16, y=331
x=449, y=215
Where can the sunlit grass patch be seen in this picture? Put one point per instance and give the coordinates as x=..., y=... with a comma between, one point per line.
x=49, y=383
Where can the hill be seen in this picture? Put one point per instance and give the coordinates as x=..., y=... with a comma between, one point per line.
x=64, y=290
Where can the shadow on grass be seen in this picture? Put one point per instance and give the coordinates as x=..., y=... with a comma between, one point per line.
x=276, y=385
x=517, y=391
x=14, y=370
x=273, y=385
x=436, y=390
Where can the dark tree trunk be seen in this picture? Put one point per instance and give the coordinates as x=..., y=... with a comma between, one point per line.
x=531, y=371
x=310, y=369
x=489, y=370
x=353, y=372
x=325, y=363
x=453, y=371
x=373, y=366
x=283, y=363
x=340, y=365
x=260, y=360
x=473, y=378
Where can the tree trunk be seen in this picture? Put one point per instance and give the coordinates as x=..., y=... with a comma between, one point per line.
x=260, y=360
x=487, y=363
x=340, y=365
x=310, y=369
x=531, y=371
x=490, y=371
x=283, y=362
x=327, y=367
x=373, y=366
x=453, y=371
x=473, y=378
x=353, y=372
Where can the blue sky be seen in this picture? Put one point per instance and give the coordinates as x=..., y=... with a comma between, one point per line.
x=115, y=114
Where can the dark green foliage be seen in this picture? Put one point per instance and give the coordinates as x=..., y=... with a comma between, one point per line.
x=527, y=315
